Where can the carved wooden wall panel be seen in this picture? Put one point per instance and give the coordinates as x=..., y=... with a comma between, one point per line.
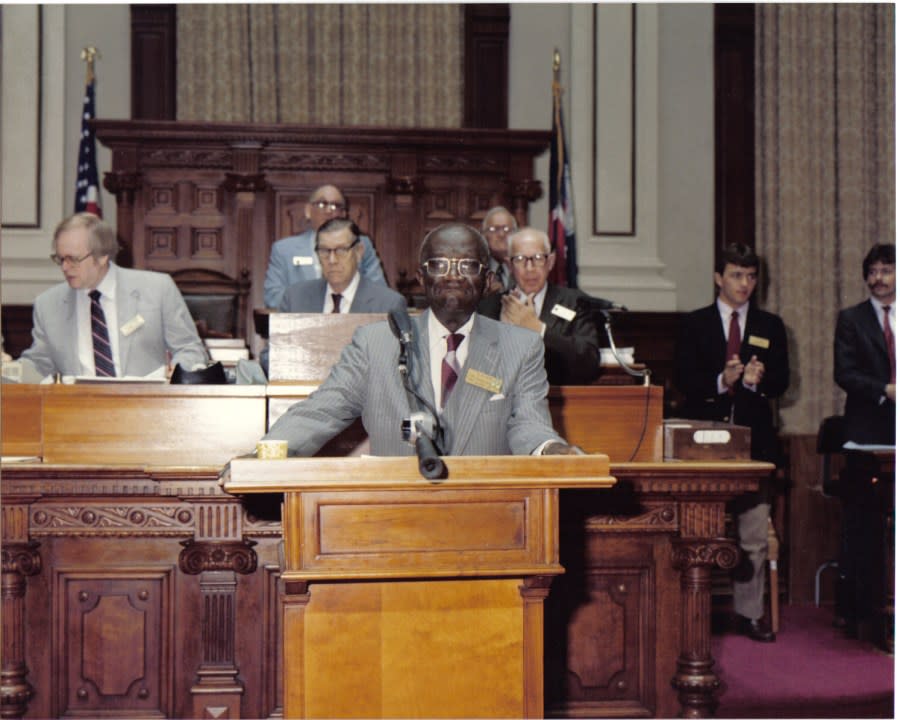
x=115, y=632
x=216, y=196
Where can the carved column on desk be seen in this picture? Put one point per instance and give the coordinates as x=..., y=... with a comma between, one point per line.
x=20, y=559
x=123, y=185
x=217, y=557
x=700, y=547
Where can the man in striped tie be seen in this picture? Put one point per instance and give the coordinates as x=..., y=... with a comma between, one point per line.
x=105, y=320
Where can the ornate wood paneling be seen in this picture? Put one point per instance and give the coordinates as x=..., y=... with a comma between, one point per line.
x=216, y=196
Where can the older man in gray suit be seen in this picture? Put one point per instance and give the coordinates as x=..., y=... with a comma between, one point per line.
x=342, y=288
x=497, y=402
x=143, y=314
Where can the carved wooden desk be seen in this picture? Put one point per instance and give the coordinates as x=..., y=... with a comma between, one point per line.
x=135, y=587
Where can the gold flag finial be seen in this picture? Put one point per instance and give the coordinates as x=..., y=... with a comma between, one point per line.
x=88, y=54
x=556, y=61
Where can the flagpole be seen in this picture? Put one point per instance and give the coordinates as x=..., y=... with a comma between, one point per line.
x=87, y=55
x=87, y=183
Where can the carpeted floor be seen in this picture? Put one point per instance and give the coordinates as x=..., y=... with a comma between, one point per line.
x=812, y=670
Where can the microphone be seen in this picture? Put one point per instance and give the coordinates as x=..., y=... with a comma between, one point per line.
x=431, y=467
x=401, y=326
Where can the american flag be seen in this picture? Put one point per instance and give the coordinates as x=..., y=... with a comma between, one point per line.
x=87, y=187
x=562, y=217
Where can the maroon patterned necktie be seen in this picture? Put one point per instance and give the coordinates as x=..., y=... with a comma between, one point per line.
x=103, y=361
x=889, y=339
x=734, y=342
x=450, y=367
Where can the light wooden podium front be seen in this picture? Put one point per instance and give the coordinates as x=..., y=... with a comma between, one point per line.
x=407, y=598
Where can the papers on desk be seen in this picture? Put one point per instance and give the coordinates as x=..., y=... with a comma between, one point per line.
x=158, y=376
x=20, y=459
x=850, y=445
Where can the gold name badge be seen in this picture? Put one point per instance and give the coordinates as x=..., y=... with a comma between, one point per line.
x=132, y=325
x=484, y=381
x=758, y=341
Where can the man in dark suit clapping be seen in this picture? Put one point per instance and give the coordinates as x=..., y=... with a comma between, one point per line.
x=731, y=361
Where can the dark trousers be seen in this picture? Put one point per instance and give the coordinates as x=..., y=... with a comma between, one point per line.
x=860, y=592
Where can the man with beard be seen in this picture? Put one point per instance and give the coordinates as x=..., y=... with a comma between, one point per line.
x=490, y=399
x=865, y=366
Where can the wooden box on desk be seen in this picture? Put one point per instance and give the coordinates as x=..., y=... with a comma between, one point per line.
x=705, y=440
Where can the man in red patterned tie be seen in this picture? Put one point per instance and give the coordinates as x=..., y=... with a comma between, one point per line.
x=865, y=367
x=731, y=361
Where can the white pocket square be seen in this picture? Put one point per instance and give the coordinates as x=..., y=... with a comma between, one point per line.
x=497, y=396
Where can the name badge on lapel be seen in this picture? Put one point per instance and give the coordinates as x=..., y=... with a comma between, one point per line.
x=567, y=314
x=132, y=325
x=759, y=342
x=484, y=381
x=302, y=260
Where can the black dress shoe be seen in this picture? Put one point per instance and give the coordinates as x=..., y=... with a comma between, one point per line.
x=755, y=629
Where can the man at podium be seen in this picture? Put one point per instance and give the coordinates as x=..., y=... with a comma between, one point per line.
x=474, y=385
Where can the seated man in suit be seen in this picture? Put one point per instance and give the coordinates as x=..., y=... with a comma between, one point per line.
x=496, y=227
x=483, y=382
x=342, y=289
x=106, y=320
x=730, y=362
x=293, y=258
x=571, y=345
x=865, y=366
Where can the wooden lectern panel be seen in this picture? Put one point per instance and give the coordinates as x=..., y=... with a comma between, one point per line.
x=622, y=421
x=186, y=425
x=409, y=598
x=20, y=425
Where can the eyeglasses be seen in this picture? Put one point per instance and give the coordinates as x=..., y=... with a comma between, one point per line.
x=499, y=228
x=538, y=259
x=440, y=266
x=329, y=206
x=339, y=252
x=62, y=259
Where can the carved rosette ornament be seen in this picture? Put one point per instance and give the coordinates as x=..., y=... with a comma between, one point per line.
x=198, y=557
x=21, y=558
x=709, y=553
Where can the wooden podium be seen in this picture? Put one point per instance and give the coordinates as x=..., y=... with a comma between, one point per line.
x=407, y=598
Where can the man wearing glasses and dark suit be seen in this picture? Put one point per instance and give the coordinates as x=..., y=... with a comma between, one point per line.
x=560, y=315
x=293, y=258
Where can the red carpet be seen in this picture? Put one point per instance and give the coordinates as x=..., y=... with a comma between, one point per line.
x=812, y=670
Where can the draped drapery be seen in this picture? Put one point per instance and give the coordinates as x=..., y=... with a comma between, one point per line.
x=326, y=64
x=825, y=177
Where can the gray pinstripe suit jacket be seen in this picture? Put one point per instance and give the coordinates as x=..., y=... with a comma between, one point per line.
x=365, y=383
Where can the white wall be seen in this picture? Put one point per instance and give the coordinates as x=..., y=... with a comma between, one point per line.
x=66, y=29
x=665, y=264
